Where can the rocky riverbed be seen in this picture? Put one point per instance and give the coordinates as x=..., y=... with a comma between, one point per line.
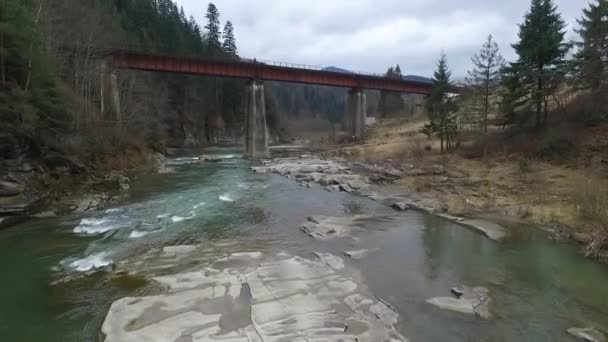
x=56, y=185
x=373, y=181
x=250, y=296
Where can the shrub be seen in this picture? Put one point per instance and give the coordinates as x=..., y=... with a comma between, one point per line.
x=592, y=198
x=556, y=143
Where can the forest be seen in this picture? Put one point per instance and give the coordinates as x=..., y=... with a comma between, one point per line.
x=50, y=80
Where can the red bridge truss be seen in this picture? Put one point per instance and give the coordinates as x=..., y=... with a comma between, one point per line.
x=264, y=71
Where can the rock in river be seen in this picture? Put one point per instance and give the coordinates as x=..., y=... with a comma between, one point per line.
x=360, y=254
x=285, y=299
x=472, y=301
x=328, y=227
x=587, y=334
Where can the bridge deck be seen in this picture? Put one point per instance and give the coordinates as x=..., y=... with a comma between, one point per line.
x=262, y=71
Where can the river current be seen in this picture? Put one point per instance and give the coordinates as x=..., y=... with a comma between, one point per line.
x=539, y=289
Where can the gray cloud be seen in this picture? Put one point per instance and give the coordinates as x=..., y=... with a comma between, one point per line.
x=370, y=35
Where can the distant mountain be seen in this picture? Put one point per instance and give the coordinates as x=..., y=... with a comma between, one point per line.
x=334, y=69
x=419, y=79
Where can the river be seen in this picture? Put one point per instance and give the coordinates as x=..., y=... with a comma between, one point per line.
x=538, y=288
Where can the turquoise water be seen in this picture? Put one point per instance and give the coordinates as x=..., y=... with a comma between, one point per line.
x=538, y=288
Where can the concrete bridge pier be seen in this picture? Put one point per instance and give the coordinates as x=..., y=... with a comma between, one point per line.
x=356, y=113
x=110, y=96
x=256, y=135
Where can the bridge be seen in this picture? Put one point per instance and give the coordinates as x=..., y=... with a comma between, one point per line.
x=256, y=139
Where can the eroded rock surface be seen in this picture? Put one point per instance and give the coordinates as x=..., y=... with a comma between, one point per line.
x=284, y=298
x=307, y=169
x=329, y=227
x=472, y=301
x=587, y=334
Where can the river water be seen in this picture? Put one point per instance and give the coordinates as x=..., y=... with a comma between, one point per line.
x=538, y=288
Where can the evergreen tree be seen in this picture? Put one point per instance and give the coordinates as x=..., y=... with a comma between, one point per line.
x=485, y=78
x=29, y=98
x=390, y=102
x=541, y=50
x=441, y=107
x=229, y=45
x=213, y=30
x=591, y=60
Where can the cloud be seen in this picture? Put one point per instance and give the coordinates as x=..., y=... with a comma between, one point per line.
x=370, y=35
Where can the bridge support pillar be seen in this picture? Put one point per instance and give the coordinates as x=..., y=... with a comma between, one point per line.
x=356, y=113
x=256, y=135
x=110, y=96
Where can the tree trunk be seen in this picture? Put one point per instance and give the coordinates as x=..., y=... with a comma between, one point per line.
x=539, y=99
x=29, y=62
x=2, y=67
x=546, y=111
x=486, y=104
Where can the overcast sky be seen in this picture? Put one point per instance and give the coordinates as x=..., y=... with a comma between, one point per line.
x=370, y=35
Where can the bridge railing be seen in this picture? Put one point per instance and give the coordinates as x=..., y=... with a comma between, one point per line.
x=309, y=67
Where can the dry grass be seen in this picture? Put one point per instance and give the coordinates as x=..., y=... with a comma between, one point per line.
x=592, y=197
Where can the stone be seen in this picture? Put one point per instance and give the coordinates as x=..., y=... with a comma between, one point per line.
x=212, y=160
x=328, y=227
x=90, y=202
x=9, y=188
x=358, y=254
x=472, y=301
x=400, y=206
x=285, y=299
x=345, y=188
x=392, y=172
x=456, y=291
x=259, y=169
x=587, y=334
x=120, y=180
x=7, y=221
x=333, y=188
x=55, y=161
x=335, y=262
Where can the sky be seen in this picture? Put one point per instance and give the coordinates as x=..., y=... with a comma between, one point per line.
x=371, y=35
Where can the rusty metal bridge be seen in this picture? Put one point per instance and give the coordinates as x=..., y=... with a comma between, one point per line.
x=264, y=71
x=256, y=138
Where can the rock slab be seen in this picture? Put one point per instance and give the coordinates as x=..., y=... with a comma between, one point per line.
x=290, y=299
x=471, y=301
x=587, y=334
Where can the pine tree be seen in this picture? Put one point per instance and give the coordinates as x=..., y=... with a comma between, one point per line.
x=485, y=77
x=441, y=107
x=591, y=60
x=391, y=102
x=213, y=30
x=229, y=45
x=541, y=50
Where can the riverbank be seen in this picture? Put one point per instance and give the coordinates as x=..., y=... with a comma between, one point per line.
x=567, y=199
x=230, y=253
x=57, y=184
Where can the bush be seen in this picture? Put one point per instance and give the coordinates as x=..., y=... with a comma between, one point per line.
x=592, y=198
x=556, y=143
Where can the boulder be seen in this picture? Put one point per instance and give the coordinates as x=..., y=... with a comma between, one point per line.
x=59, y=162
x=358, y=254
x=10, y=188
x=471, y=301
x=392, y=172
x=119, y=180
x=401, y=206
x=329, y=227
x=345, y=188
x=587, y=334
